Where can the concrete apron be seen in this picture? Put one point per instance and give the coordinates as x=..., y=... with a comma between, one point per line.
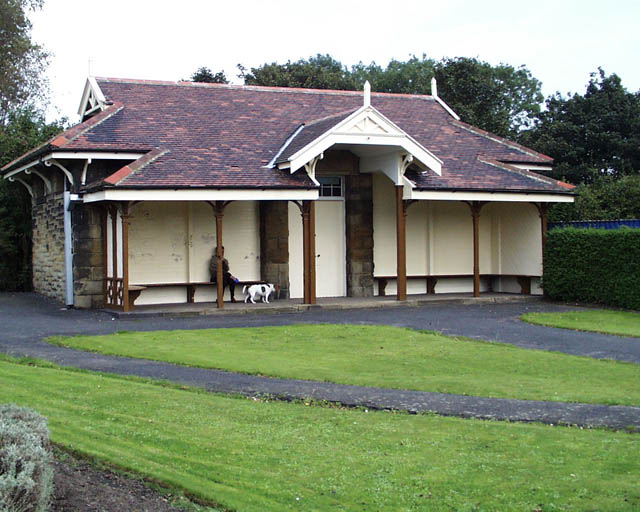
x=296, y=305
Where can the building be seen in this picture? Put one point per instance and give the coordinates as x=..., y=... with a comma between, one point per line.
x=325, y=193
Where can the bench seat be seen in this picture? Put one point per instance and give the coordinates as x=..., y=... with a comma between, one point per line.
x=523, y=280
x=136, y=289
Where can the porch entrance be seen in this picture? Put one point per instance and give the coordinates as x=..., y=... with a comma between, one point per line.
x=331, y=278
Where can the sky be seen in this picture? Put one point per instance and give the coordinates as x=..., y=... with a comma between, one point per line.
x=560, y=42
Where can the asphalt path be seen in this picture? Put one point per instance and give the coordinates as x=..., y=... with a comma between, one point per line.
x=26, y=319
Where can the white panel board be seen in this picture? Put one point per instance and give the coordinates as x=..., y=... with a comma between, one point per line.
x=452, y=238
x=384, y=226
x=330, y=249
x=296, y=271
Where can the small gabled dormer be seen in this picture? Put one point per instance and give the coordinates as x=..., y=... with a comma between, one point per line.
x=93, y=100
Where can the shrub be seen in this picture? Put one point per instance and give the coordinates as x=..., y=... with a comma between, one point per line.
x=593, y=265
x=26, y=475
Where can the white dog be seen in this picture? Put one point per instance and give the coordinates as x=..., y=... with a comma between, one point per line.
x=258, y=290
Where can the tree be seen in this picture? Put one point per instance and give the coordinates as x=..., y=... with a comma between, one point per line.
x=592, y=136
x=606, y=199
x=22, y=62
x=24, y=130
x=204, y=74
x=319, y=72
x=500, y=99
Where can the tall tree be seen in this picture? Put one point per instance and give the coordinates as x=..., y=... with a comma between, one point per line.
x=319, y=72
x=501, y=99
x=204, y=74
x=22, y=62
x=591, y=136
x=24, y=129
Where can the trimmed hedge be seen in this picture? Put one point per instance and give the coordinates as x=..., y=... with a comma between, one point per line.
x=593, y=265
x=26, y=474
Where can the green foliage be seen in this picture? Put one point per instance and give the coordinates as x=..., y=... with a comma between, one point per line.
x=606, y=199
x=26, y=475
x=22, y=62
x=382, y=356
x=593, y=265
x=500, y=99
x=593, y=136
x=319, y=72
x=250, y=454
x=204, y=74
x=24, y=130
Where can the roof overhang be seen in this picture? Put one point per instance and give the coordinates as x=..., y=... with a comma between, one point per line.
x=494, y=196
x=202, y=195
x=367, y=128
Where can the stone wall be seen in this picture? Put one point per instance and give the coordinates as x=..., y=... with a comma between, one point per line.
x=359, y=234
x=274, y=245
x=48, y=246
x=88, y=256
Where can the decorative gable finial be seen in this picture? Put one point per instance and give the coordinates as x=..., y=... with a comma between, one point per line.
x=367, y=94
x=434, y=87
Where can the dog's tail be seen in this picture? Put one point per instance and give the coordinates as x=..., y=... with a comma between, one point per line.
x=244, y=290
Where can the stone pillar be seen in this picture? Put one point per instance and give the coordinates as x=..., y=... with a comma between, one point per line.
x=88, y=256
x=48, y=246
x=359, y=234
x=274, y=245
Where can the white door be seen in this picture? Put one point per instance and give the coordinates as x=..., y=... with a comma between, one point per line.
x=330, y=250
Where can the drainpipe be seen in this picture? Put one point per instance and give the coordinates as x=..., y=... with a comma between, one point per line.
x=68, y=247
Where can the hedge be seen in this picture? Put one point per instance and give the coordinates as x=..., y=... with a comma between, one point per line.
x=593, y=265
x=26, y=474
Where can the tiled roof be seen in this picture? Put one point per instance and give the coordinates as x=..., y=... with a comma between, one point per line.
x=210, y=135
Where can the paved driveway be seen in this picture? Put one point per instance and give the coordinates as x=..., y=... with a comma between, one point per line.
x=27, y=318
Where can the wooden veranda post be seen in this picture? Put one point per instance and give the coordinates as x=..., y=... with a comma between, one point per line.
x=312, y=252
x=308, y=212
x=125, y=256
x=475, y=207
x=218, y=208
x=543, y=211
x=401, y=244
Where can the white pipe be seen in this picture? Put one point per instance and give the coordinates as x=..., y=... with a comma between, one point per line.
x=68, y=248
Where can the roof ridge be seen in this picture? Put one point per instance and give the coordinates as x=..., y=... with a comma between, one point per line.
x=501, y=140
x=267, y=88
x=331, y=116
x=124, y=172
x=524, y=172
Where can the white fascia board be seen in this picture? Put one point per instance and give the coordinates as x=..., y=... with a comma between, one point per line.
x=532, y=167
x=520, y=197
x=201, y=195
x=447, y=108
x=93, y=155
x=21, y=169
x=339, y=135
x=402, y=141
x=91, y=85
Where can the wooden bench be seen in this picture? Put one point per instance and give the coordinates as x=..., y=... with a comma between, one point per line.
x=431, y=280
x=136, y=289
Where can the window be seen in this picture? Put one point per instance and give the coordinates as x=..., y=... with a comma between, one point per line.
x=330, y=186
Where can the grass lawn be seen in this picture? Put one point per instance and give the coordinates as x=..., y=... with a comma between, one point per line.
x=253, y=455
x=622, y=323
x=383, y=356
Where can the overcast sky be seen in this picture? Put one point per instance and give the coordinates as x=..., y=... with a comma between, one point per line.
x=560, y=42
